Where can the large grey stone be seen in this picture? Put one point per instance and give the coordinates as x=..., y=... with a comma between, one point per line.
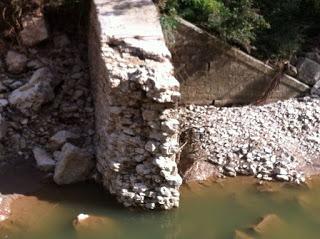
x=35, y=93
x=16, y=62
x=308, y=71
x=315, y=56
x=200, y=171
x=74, y=165
x=34, y=31
x=43, y=159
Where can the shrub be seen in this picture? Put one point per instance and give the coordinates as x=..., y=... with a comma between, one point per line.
x=277, y=29
x=233, y=20
x=293, y=23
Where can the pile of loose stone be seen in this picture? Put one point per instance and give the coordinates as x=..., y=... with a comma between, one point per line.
x=46, y=108
x=276, y=141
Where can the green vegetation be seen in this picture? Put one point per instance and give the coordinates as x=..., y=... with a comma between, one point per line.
x=293, y=24
x=276, y=29
x=169, y=23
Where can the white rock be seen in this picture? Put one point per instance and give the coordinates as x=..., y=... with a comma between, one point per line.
x=82, y=217
x=282, y=177
x=281, y=171
x=151, y=206
x=165, y=191
x=170, y=126
x=31, y=96
x=151, y=146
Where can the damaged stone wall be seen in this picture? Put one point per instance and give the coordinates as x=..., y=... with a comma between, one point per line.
x=136, y=96
x=212, y=72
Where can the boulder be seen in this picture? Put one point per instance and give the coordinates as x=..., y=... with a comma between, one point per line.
x=268, y=224
x=74, y=165
x=5, y=205
x=60, y=138
x=200, y=171
x=315, y=56
x=193, y=164
x=16, y=62
x=44, y=160
x=35, y=93
x=3, y=127
x=34, y=31
x=86, y=224
x=308, y=71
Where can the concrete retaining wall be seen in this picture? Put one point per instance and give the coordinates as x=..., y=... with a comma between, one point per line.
x=209, y=70
x=136, y=96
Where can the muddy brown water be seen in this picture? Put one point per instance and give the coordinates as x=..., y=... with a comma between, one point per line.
x=208, y=210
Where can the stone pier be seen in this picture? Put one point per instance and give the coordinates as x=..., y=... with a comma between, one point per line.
x=136, y=97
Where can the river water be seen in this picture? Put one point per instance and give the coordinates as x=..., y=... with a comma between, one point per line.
x=207, y=211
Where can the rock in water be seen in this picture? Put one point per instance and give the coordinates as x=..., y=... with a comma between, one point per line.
x=241, y=235
x=3, y=127
x=16, y=62
x=200, y=171
x=74, y=165
x=35, y=93
x=43, y=159
x=268, y=224
x=34, y=31
x=5, y=205
x=86, y=224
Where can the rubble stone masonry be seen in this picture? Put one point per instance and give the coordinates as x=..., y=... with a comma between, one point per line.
x=136, y=99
